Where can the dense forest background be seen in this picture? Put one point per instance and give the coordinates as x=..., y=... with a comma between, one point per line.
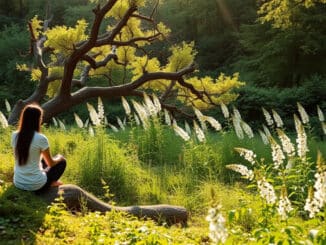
x=281, y=61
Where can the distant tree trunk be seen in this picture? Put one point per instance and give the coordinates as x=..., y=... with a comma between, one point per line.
x=72, y=196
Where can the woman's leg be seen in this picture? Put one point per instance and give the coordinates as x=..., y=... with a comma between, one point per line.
x=56, y=171
x=53, y=175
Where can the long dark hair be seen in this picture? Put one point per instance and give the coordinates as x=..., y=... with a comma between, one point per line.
x=29, y=123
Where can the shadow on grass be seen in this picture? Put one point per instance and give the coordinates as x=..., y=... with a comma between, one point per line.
x=21, y=215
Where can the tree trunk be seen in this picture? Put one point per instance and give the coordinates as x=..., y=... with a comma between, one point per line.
x=72, y=195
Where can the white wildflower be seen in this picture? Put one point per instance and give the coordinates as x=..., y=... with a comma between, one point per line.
x=225, y=110
x=187, y=128
x=199, y=133
x=79, y=122
x=301, y=140
x=213, y=122
x=55, y=123
x=218, y=233
x=312, y=205
x=243, y=170
x=237, y=127
x=86, y=123
x=100, y=109
x=157, y=103
x=62, y=125
x=266, y=131
x=182, y=133
x=91, y=131
x=303, y=114
x=320, y=114
x=263, y=137
x=247, y=129
x=93, y=115
x=8, y=106
x=284, y=207
x=287, y=145
x=201, y=118
x=114, y=128
x=266, y=191
x=277, y=154
x=320, y=188
x=136, y=119
x=142, y=113
x=268, y=117
x=125, y=105
x=106, y=121
x=3, y=120
x=198, y=114
x=167, y=117
x=149, y=105
x=236, y=113
x=278, y=120
x=249, y=155
x=120, y=123
x=297, y=122
x=323, y=125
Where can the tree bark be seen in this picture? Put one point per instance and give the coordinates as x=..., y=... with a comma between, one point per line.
x=73, y=195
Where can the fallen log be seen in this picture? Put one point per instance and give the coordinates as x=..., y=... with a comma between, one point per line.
x=73, y=194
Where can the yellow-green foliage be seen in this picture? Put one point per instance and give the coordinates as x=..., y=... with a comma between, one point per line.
x=63, y=39
x=182, y=56
x=221, y=88
x=36, y=25
x=282, y=13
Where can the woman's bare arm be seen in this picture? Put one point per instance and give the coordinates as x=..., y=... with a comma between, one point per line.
x=51, y=161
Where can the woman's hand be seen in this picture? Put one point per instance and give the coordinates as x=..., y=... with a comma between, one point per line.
x=51, y=161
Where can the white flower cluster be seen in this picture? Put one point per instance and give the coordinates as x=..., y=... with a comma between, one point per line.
x=3, y=120
x=142, y=113
x=125, y=105
x=243, y=170
x=218, y=233
x=303, y=114
x=249, y=155
x=284, y=207
x=320, y=113
x=180, y=131
x=312, y=206
x=237, y=127
x=266, y=191
x=199, y=133
x=225, y=110
x=213, y=122
x=277, y=119
x=268, y=117
x=247, y=129
x=93, y=115
x=263, y=137
x=287, y=145
x=318, y=200
x=301, y=140
x=277, y=154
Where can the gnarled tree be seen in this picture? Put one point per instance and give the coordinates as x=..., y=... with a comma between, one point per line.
x=67, y=58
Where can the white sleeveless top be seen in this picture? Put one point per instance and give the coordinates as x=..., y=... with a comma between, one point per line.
x=30, y=176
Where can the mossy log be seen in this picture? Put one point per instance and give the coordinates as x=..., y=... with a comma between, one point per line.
x=72, y=196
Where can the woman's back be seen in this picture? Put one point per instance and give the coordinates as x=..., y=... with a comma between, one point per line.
x=30, y=175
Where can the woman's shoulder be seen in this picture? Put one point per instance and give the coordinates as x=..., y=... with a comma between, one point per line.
x=40, y=135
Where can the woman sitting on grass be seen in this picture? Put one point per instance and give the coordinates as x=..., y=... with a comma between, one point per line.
x=35, y=169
